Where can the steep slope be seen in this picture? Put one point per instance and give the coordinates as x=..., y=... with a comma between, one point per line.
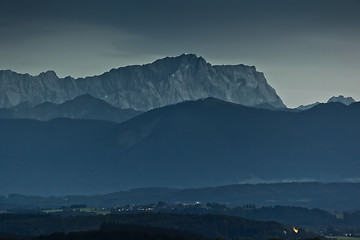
x=192, y=144
x=82, y=107
x=163, y=82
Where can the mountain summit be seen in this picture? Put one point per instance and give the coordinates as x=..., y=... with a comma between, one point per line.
x=166, y=81
x=342, y=99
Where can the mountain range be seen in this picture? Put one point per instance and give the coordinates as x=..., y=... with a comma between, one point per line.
x=89, y=107
x=166, y=81
x=82, y=107
x=204, y=126
x=340, y=98
x=207, y=142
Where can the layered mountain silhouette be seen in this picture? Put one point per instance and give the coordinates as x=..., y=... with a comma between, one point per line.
x=192, y=144
x=82, y=107
x=340, y=99
x=166, y=81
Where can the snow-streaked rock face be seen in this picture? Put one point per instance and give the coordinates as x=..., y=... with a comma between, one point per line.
x=342, y=99
x=163, y=82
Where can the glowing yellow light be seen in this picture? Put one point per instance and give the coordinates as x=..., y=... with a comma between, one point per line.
x=295, y=230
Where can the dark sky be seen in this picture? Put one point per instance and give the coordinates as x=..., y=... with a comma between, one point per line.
x=309, y=50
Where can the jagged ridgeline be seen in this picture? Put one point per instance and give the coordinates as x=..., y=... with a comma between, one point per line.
x=166, y=81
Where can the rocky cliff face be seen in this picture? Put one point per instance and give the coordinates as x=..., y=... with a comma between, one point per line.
x=163, y=82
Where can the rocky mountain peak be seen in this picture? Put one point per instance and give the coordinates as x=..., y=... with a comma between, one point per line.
x=166, y=81
x=342, y=99
x=170, y=65
x=48, y=74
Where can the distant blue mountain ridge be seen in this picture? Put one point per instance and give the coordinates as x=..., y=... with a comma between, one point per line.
x=200, y=143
